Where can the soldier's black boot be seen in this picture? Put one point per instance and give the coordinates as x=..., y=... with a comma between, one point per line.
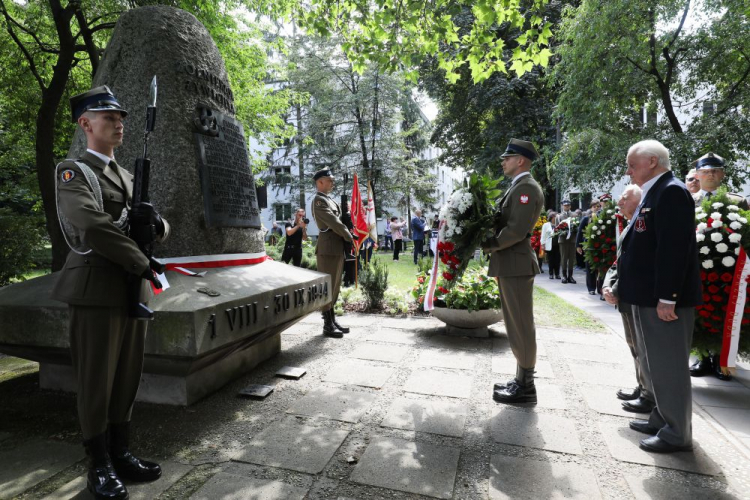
x=717, y=369
x=338, y=327
x=125, y=463
x=523, y=391
x=102, y=481
x=570, y=278
x=329, y=329
x=704, y=366
x=565, y=277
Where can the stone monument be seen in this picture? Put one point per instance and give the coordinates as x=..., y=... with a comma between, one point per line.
x=227, y=304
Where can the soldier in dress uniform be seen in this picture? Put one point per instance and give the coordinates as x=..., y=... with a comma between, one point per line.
x=567, y=245
x=329, y=250
x=513, y=262
x=709, y=169
x=93, y=202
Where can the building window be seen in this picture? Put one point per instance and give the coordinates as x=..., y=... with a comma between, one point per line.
x=283, y=211
x=282, y=175
x=709, y=108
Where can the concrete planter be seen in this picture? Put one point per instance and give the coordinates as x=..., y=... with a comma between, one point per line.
x=468, y=323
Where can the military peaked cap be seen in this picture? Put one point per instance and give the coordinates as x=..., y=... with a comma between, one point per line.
x=709, y=160
x=96, y=99
x=519, y=147
x=323, y=172
x=566, y=202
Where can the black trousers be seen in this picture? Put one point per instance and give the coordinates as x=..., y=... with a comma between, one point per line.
x=553, y=259
x=292, y=253
x=397, y=245
x=418, y=249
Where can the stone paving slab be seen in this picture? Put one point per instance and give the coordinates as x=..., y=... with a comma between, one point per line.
x=422, y=468
x=535, y=430
x=591, y=339
x=603, y=400
x=353, y=372
x=647, y=488
x=31, y=462
x=380, y=352
x=439, y=383
x=623, y=445
x=409, y=323
x=457, y=360
x=436, y=417
x=289, y=445
x=736, y=420
x=501, y=346
x=507, y=364
x=724, y=397
x=711, y=381
x=550, y=396
x=230, y=487
x=335, y=404
x=601, y=374
x=452, y=342
x=171, y=473
x=393, y=336
x=300, y=328
x=595, y=353
x=521, y=479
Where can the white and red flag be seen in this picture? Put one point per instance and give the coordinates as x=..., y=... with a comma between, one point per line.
x=372, y=221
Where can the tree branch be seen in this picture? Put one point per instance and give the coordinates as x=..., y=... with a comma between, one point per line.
x=734, y=88
x=24, y=50
x=679, y=28
x=88, y=39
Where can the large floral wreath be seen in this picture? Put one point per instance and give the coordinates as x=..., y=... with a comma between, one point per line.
x=567, y=227
x=600, y=247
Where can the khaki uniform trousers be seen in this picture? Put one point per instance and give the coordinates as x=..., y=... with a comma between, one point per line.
x=516, y=295
x=568, y=256
x=107, y=350
x=333, y=265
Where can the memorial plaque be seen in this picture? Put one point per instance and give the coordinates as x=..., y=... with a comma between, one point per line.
x=229, y=197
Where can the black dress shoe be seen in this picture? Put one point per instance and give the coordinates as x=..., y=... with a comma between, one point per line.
x=102, y=482
x=564, y=281
x=657, y=445
x=717, y=369
x=557, y=276
x=640, y=405
x=135, y=469
x=643, y=426
x=500, y=385
x=551, y=277
x=629, y=395
x=702, y=367
x=514, y=394
x=591, y=292
x=571, y=280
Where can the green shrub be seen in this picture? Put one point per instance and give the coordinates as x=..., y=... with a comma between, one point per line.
x=395, y=303
x=22, y=238
x=374, y=282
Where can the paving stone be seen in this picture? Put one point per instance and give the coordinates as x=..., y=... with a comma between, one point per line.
x=380, y=352
x=724, y=397
x=595, y=353
x=31, y=462
x=300, y=328
x=711, y=381
x=436, y=417
x=353, y=372
x=603, y=400
x=507, y=364
x=736, y=420
x=439, y=383
x=392, y=336
x=522, y=479
x=501, y=346
x=422, y=468
x=585, y=338
x=601, y=374
x=550, y=396
x=408, y=323
x=646, y=488
x=231, y=487
x=452, y=342
x=447, y=359
x=623, y=445
x=535, y=430
x=336, y=404
x=171, y=473
x=288, y=445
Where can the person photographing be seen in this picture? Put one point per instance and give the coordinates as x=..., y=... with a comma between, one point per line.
x=296, y=233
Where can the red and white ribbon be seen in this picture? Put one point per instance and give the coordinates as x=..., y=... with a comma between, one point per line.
x=619, y=226
x=182, y=265
x=735, y=312
x=429, y=296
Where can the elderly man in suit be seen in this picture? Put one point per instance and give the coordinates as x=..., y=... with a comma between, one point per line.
x=513, y=262
x=659, y=276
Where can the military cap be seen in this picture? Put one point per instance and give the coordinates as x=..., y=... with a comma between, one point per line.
x=96, y=99
x=519, y=147
x=323, y=172
x=605, y=197
x=566, y=202
x=709, y=160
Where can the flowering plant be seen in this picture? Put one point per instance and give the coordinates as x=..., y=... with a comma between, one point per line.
x=536, y=234
x=600, y=246
x=722, y=228
x=473, y=291
x=562, y=228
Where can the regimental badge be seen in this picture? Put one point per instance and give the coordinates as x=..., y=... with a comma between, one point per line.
x=640, y=224
x=318, y=203
x=524, y=199
x=67, y=175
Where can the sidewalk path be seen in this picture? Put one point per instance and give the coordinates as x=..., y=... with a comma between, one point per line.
x=398, y=410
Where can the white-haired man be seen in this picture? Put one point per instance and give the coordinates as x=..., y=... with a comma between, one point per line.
x=659, y=276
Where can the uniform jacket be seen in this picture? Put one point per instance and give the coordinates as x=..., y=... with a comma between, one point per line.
x=659, y=254
x=98, y=278
x=563, y=238
x=511, y=253
x=737, y=199
x=333, y=232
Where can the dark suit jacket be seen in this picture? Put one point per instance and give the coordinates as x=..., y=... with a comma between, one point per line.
x=581, y=236
x=659, y=254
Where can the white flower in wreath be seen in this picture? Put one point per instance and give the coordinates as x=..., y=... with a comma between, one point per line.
x=701, y=215
x=717, y=224
x=733, y=216
x=728, y=261
x=609, y=221
x=735, y=225
x=743, y=220
x=716, y=216
x=716, y=237
x=458, y=230
x=721, y=248
x=594, y=228
x=702, y=226
x=717, y=205
x=735, y=237
x=610, y=211
x=598, y=233
x=704, y=250
x=707, y=264
x=733, y=208
x=737, y=251
x=699, y=237
x=698, y=210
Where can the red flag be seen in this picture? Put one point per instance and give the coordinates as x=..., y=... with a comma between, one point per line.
x=359, y=216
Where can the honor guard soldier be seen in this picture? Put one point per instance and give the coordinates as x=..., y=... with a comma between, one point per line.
x=513, y=263
x=567, y=245
x=329, y=250
x=93, y=202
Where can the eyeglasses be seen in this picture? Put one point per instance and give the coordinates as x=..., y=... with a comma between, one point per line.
x=691, y=179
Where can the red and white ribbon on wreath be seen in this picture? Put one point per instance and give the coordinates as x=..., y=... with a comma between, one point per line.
x=429, y=296
x=182, y=265
x=619, y=226
x=735, y=311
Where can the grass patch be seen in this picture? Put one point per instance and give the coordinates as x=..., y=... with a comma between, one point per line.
x=551, y=310
x=11, y=367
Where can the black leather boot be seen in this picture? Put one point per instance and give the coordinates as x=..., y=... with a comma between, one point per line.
x=565, y=277
x=717, y=369
x=329, y=329
x=102, y=480
x=702, y=367
x=336, y=323
x=125, y=463
x=570, y=278
x=523, y=391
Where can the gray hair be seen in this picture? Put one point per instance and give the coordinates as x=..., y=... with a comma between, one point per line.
x=651, y=147
x=634, y=189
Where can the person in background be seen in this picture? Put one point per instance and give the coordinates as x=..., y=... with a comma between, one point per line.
x=398, y=239
x=567, y=244
x=692, y=182
x=551, y=245
x=388, y=238
x=417, y=234
x=296, y=232
x=592, y=278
